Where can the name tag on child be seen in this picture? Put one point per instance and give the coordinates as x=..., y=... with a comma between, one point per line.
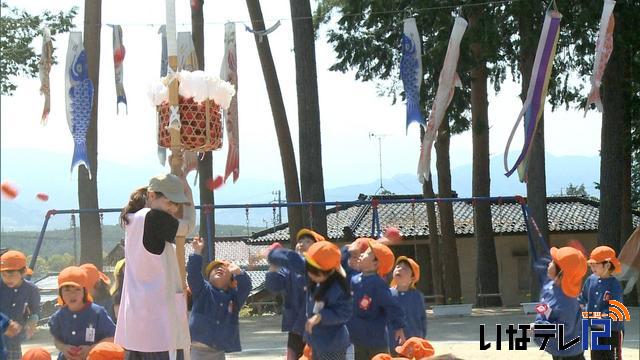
x=90, y=334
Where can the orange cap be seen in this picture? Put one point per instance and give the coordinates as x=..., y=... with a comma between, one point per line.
x=106, y=351
x=573, y=266
x=382, y=356
x=325, y=256
x=602, y=254
x=415, y=269
x=74, y=276
x=384, y=255
x=312, y=234
x=393, y=234
x=415, y=348
x=36, y=354
x=93, y=275
x=14, y=260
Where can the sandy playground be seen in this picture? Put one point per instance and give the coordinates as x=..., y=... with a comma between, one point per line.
x=262, y=339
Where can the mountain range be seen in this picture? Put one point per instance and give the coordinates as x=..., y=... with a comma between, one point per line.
x=35, y=172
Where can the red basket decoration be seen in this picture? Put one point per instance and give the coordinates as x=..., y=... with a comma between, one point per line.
x=201, y=125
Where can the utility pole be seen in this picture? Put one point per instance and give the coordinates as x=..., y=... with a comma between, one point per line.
x=379, y=137
x=279, y=194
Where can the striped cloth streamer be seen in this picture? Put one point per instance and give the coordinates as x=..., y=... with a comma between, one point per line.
x=533, y=107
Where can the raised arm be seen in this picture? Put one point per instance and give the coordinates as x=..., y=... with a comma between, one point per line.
x=194, y=268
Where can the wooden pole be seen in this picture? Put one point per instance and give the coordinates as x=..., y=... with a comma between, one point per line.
x=174, y=119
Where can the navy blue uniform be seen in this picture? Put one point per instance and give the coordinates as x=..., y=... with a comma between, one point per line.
x=330, y=336
x=595, y=297
x=21, y=304
x=214, y=319
x=292, y=286
x=557, y=308
x=412, y=304
x=4, y=324
x=88, y=326
x=373, y=308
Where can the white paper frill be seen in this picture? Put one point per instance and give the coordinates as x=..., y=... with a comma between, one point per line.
x=194, y=84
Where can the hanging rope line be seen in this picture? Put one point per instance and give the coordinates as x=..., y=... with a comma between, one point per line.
x=457, y=7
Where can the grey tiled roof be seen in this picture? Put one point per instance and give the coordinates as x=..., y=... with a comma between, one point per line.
x=565, y=214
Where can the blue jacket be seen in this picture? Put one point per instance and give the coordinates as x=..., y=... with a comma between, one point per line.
x=214, y=319
x=72, y=327
x=412, y=303
x=373, y=308
x=559, y=309
x=331, y=334
x=20, y=304
x=596, y=294
x=4, y=324
x=292, y=286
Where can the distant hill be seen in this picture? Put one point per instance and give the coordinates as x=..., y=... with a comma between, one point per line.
x=62, y=241
x=116, y=181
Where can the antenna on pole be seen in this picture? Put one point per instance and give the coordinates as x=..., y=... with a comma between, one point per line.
x=373, y=135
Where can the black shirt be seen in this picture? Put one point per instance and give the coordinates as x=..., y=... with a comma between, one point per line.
x=159, y=227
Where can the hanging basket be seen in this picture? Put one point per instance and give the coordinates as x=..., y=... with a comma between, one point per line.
x=201, y=125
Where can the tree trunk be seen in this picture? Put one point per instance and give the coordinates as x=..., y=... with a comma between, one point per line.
x=529, y=26
x=626, y=225
x=205, y=163
x=487, y=276
x=615, y=107
x=310, y=147
x=451, y=269
x=434, y=240
x=287, y=156
x=90, y=227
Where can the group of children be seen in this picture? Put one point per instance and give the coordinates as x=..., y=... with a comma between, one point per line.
x=334, y=299
x=84, y=320
x=564, y=299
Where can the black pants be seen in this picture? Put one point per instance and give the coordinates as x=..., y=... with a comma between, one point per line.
x=295, y=345
x=575, y=357
x=163, y=355
x=616, y=348
x=364, y=353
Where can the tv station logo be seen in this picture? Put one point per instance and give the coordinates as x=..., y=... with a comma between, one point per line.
x=595, y=325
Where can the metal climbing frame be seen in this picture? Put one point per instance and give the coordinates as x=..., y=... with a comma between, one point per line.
x=375, y=202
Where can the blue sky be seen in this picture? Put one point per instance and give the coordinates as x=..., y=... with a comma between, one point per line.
x=349, y=109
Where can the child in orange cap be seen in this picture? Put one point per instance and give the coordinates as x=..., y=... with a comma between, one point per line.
x=217, y=300
x=99, y=288
x=599, y=288
x=403, y=288
x=36, y=354
x=79, y=323
x=328, y=304
x=19, y=301
x=291, y=285
x=106, y=351
x=373, y=305
x=327, y=300
x=558, y=299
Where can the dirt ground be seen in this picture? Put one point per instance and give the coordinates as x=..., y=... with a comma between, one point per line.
x=262, y=339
